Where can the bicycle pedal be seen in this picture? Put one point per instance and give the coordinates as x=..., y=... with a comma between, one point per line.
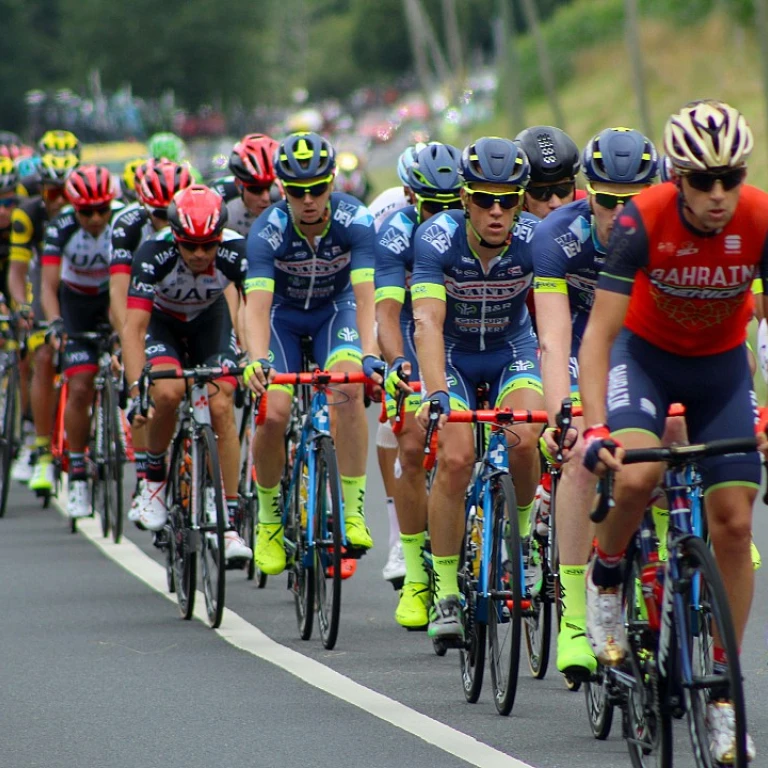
x=350, y=553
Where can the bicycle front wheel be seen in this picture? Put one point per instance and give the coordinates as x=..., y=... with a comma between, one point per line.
x=96, y=462
x=212, y=523
x=9, y=393
x=301, y=578
x=472, y=655
x=709, y=616
x=181, y=537
x=505, y=609
x=114, y=459
x=537, y=619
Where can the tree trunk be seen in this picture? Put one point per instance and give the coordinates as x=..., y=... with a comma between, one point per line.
x=509, y=93
x=632, y=32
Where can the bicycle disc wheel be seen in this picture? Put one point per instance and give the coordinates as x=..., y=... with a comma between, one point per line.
x=327, y=537
x=537, y=620
x=708, y=615
x=599, y=706
x=472, y=655
x=9, y=388
x=182, y=539
x=505, y=611
x=647, y=726
x=301, y=578
x=211, y=505
x=113, y=459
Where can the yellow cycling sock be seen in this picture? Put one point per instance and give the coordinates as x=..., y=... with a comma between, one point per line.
x=269, y=504
x=43, y=449
x=353, y=491
x=413, y=546
x=524, y=519
x=446, y=571
x=573, y=589
x=661, y=523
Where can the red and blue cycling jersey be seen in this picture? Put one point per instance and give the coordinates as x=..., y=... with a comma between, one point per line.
x=485, y=309
x=308, y=275
x=689, y=290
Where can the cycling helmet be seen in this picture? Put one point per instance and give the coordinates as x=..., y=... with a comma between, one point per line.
x=666, y=170
x=89, y=185
x=304, y=156
x=128, y=179
x=251, y=159
x=28, y=166
x=166, y=146
x=54, y=168
x=620, y=156
x=60, y=143
x=197, y=213
x=552, y=153
x=706, y=135
x=9, y=177
x=407, y=159
x=495, y=161
x=160, y=181
x=436, y=171
x=10, y=150
x=10, y=138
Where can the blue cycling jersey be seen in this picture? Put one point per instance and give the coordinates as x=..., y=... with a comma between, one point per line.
x=568, y=258
x=308, y=275
x=484, y=309
x=393, y=251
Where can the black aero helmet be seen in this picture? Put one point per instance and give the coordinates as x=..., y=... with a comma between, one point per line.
x=552, y=153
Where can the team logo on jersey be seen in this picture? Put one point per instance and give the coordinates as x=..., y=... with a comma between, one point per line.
x=437, y=237
x=148, y=268
x=348, y=334
x=272, y=235
x=697, y=282
x=403, y=223
x=520, y=366
x=686, y=249
x=523, y=229
x=581, y=229
x=571, y=247
x=363, y=216
x=466, y=309
x=345, y=213
x=666, y=247
x=394, y=241
x=732, y=244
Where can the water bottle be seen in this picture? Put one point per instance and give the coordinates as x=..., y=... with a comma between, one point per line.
x=649, y=585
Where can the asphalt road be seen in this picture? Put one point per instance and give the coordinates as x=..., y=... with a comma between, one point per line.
x=100, y=671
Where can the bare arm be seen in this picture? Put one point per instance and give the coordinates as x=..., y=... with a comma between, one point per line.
x=132, y=337
x=17, y=282
x=553, y=324
x=118, y=298
x=257, y=326
x=364, y=296
x=49, y=296
x=390, y=337
x=429, y=315
x=233, y=302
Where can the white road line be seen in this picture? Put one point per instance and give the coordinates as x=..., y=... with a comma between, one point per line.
x=241, y=634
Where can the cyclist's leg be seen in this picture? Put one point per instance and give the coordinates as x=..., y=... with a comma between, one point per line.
x=269, y=442
x=337, y=344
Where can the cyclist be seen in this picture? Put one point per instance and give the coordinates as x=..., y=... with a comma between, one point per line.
x=395, y=198
x=310, y=273
x=435, y=181
x=128, y=180
x=168, y=146
x=9, y=180
x=570, y=246
x=351, y=176
x=158, y=182
x=251, y=189
x=28, y=225
x=473, y=269
x=555, y=162
x=184, y=291
x=75, y=299
x=668, y=325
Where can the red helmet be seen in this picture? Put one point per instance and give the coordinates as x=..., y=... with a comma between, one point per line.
x=157, y=181
x=197, y=213
x=251, y=159
x=12, y=151
x=90, y=185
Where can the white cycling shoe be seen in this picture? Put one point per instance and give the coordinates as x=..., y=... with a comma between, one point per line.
x=153, y=513
x=395, y=567
x=235, y=547
x=78, y=499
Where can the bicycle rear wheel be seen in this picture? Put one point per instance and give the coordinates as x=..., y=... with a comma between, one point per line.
x=9, y=393
x=505, y=609
x=114, y=459
x=182, y=538
x=210, y=496
x=709, y=614
x=301, y=579
x=327, y=542
x=472, y=655
x=599, y=706
x=95, y=462
x=537, y=620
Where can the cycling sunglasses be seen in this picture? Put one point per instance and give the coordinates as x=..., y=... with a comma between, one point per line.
x=315, y=189
x=432, y=206
x=259, y=189
x=8, y=202
x=486, y=200
x=704, y=181
x=90, y=211
x=206, y=245
x=544, y=194
x=158, y=213
x=610, y=200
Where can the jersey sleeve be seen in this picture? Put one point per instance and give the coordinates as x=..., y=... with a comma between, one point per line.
x=56, y=235
x=144, y=277
x=389, y=272
x=231, y=261
x=266, y=242
x=361, y=239
x=627, y=253
x=428, y=278
x=124, y=240
x=22, y=236
x=550, y=263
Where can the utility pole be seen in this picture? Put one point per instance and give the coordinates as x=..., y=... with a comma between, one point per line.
x=545, y=65
x=632, y=33
x=509, y=94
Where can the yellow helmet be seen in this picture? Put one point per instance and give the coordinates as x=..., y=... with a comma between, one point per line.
x=9, y=178
x=708, y=134
x=129, y=174
x=347, y=162
x=59, y=143
x=55, y=167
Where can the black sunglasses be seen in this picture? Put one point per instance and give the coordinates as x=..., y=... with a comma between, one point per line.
x=486, y=200
x=543, y=194
x=433, y=207
x=298, y=191
x=705, y=181
x=160, y=213
x=258, y=189
x=102, y=210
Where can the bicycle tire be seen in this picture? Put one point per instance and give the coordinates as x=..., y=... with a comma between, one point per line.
x=115, y=459
x=181, y=537
x=647, y=726
x=8, y=437
x=328, y=542
x=302, y=574
x=472, y=655
x=599, y=706
x=506, y=561
x=537, y=621
x=95, y=464
x=212, y=559
x=712, y=606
